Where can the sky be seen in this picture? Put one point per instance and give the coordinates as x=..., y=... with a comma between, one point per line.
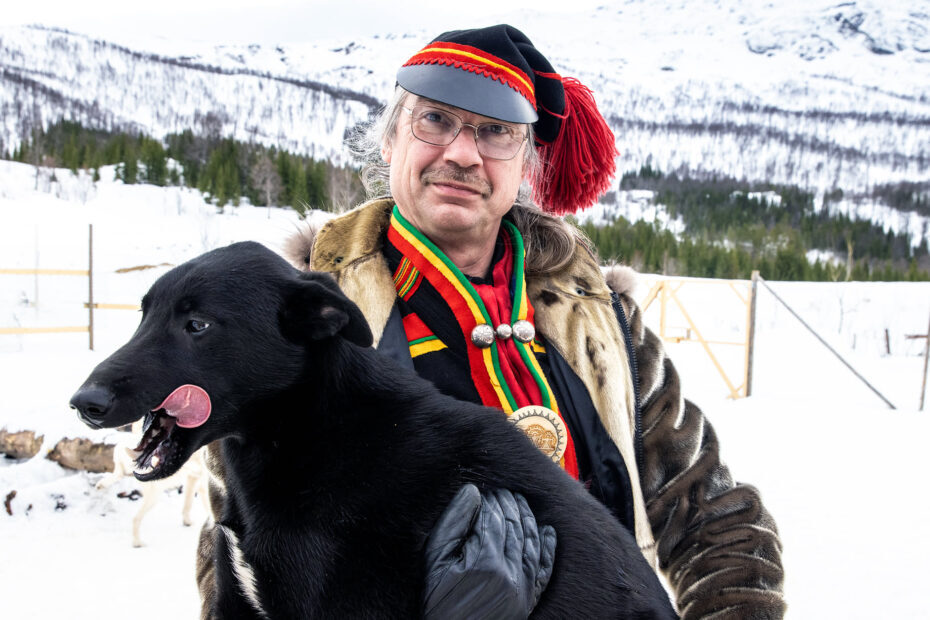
x=277, y=21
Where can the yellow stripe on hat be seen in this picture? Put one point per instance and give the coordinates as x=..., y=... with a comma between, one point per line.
x=484, y=59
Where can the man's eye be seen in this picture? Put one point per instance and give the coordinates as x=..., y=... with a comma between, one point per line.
x=497, y=130
x=196, y=326
x=435, y=117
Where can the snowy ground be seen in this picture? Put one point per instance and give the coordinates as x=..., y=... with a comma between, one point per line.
x=836, y=467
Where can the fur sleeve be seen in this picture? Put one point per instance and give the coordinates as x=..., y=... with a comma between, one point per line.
x=205, y=569
x=716, y=543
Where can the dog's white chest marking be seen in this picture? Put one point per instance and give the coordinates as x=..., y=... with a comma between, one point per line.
x=244, y=573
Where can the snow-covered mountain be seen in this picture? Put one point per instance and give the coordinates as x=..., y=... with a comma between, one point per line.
x=817, y=93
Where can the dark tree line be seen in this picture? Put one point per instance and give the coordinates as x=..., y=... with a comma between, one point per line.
x=224, y=168
x=733, y=228
x=777, y=256
x=905, y=196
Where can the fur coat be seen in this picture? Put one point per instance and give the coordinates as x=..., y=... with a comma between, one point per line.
x=710, y=537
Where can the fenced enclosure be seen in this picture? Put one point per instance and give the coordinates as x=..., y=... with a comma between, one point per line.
x=50, y=301
x=664, y=309
x=727, y=331
x=710, y=323
x=35, y=273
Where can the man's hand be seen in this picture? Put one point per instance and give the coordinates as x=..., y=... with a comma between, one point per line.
x=486, y=558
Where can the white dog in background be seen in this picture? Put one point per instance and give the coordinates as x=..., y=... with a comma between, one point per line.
x=193, y=477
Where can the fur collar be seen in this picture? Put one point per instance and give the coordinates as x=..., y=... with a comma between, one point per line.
x=351, y=236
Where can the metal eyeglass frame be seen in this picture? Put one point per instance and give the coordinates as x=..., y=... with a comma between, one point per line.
x=459, y=130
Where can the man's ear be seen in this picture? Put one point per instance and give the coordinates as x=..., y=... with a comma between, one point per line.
x=386, y=152
x=315, y=309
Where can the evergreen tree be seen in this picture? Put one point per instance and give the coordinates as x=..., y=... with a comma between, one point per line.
x=220, y=177
x=153, y=158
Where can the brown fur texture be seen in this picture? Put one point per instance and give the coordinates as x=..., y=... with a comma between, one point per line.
x=622, y=279
x=715, y=542
x=297, y=247
x=205, y=572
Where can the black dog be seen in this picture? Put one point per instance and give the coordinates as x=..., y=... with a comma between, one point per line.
x=337, y=462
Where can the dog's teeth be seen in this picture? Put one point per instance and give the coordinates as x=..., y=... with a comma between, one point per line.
x=147, y=422
x=155, y=461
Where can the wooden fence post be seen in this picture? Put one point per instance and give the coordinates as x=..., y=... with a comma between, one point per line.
x=35, y=300
x=923, y=385
x=663, y=304
x=751, y=330
x=90, y=284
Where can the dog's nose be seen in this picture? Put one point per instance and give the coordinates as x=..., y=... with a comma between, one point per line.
x=92, y=403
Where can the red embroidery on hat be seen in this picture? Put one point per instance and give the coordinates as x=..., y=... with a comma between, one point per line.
x=476, y=61
x=551, y=76
x=551, y=113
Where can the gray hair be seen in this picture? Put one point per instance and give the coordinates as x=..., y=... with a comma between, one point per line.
x=550, y=242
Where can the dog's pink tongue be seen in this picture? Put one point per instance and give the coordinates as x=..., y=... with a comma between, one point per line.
x=189, y=404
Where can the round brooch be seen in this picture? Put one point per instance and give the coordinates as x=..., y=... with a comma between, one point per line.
x=544, y=428
x=503, y=331
x=523, y=331
x=482, y=336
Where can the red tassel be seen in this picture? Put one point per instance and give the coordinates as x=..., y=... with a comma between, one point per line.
x=579, y=164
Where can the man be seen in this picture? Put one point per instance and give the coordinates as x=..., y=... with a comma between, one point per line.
x=463, y=279
x=475, y=114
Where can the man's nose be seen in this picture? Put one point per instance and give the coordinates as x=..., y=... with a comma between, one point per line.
x=463, y=151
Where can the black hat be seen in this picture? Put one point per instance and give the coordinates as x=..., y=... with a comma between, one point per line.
x=497, y=72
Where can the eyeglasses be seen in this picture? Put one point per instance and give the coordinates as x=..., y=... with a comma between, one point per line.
x=440, y=127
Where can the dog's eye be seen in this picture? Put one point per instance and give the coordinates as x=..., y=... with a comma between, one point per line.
x=196, y=326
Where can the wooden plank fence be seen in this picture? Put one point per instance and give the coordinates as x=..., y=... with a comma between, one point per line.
x=90, y=304
x=665, y=293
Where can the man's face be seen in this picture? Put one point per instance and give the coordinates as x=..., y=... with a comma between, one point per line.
x=451, y=193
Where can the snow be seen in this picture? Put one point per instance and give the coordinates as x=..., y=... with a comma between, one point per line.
x=836, y=467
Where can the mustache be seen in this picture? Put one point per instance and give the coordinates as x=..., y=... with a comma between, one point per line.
x=454, y=174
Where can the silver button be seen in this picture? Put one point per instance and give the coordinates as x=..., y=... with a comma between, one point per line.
x=523, y=331
x=504, y=331
x=482, y=336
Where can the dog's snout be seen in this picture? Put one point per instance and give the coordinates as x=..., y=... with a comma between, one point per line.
x=92, y=403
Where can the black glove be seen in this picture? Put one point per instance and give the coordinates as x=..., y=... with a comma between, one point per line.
x=486, y=558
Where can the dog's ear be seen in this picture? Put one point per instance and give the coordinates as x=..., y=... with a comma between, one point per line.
x=315, y=309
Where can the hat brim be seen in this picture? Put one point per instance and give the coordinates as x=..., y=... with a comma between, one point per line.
x=466, y=90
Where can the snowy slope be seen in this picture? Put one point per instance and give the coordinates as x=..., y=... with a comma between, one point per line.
x=817, y=93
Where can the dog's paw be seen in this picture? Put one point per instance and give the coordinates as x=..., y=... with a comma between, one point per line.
x=137, y=543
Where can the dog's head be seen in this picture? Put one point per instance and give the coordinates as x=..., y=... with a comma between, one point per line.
x=218, y=334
